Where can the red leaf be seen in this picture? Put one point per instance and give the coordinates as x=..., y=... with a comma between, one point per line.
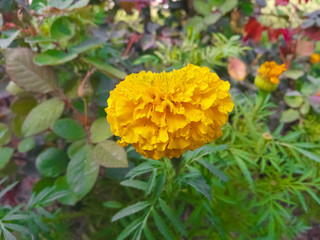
x=282, y=2
x=313, y=33
x=237, y=69
x=253, y=30
x=274, y=34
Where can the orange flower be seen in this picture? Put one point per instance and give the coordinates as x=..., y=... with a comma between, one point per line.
x=268, y=76
x=166, y=114
x=315, y=58
x=271, y=71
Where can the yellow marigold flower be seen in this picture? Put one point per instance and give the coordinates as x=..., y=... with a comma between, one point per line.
x=268, y=76
x=165, y=114
x=315, y=58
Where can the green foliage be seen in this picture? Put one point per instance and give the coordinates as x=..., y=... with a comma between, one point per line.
x=259, y=180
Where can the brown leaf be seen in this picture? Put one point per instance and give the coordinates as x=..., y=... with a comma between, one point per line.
x=237, y=69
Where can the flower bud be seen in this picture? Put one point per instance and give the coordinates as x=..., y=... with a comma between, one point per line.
x=264, y=84
x=85, y=90
x=268, y=76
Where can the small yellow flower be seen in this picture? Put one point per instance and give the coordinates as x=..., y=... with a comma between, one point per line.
x=268, y=76
x=165, y=114
x=315, y=58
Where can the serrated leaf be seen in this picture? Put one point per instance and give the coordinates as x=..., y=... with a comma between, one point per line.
x=5, y=135
x=109, y=154
x=105, y=68
x=308, y=154
x=214, y=170
x=82, y=171
x=27, y=75
x=175, y=220
x=68, y=128
x=244, y=170
x=26, y=144
x=162, y=227
x=42, y=116
x=151, y=181
x=112, y=204
x=52, y=162
x=130, y=228
x=135, y=184
x=100, y=130
x=160, y=184
x=132, y=209
x=5, y=155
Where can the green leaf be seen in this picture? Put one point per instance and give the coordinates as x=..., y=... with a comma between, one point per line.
x=162, y=227
x=212, y=18
x=26, y=144
x=175, y=220
x=68, y=128
x=75, y=147
x=54, y=57
x=109, y=154
x=199, y=184
x=82, y=171
x=105, y=68
x=4, y=43
x=130, y=228
x=293, y=99
x=146, y=58
x=16, y=126
x=22, y=106
x=214, y=170
x=7, y=189
x=293, y=74
x=151, y=181
x=132, y=209
x=100, y=130
x=148, y=233
x=112, y=204
x=301, y=199
x=308, y=154
x=228, y=5
x=27, y=75
x=60, y=4
x=5, y=155
x=313, y=195
x=244, y=170
x=202, y=7
x=87, y=44
x=289, y=115
x=135, y=184
x=62, y=29
x=159, y=185
x=52, y=162
x=5, y=135
x=42, y=116
x=62, y=185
